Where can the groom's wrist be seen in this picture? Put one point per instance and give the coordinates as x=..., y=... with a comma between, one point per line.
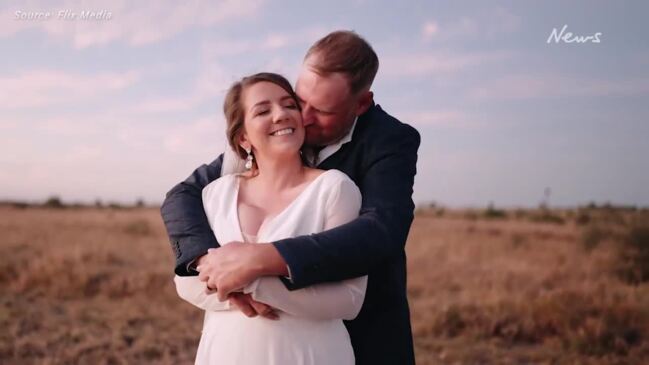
x=270, y=262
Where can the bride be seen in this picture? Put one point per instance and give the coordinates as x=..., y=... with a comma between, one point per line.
x=276, y=197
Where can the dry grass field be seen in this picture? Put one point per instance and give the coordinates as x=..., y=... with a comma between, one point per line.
x=94, y=286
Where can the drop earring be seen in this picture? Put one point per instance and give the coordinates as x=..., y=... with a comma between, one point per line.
x=249, y=159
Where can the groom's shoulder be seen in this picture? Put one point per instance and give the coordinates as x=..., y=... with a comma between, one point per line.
x=381, y=128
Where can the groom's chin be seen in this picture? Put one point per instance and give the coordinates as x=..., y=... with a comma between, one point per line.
x=312, y=139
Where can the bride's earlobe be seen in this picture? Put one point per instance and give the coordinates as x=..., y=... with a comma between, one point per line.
x=243, y=143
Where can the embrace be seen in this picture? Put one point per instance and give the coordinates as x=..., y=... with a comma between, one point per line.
x=293, y=240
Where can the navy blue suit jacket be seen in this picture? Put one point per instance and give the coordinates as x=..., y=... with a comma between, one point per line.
x=381, y=159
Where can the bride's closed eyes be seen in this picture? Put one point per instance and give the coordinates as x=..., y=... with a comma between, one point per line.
x=261, y=112
x=264, y=111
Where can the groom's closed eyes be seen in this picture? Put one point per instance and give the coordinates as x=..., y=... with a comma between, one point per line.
x=317, y=110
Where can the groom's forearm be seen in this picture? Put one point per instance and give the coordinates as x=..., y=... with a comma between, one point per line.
x=237, y=264
x=376, y=237
x=184, y=217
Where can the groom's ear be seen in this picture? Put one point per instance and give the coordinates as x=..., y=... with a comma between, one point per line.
x=364, y=102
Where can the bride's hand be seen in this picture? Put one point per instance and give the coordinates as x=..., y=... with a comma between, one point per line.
x=250, y=307
x=237, y=264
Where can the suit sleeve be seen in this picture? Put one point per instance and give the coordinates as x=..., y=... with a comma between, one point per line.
x=182, y=211
x=340, y=300
x=378, y=234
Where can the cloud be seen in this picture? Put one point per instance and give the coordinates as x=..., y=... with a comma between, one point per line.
x=209, y=85
x=275, y=41
x=83, y=156
x=429, y=30
x=492, y=23
x=135, y=23
x=205, y=136
x=554, y=86
x=434, y=62
x=439, y=118
x=73, y=126
x=47, y=87
x=213, y=79
x=300, y=37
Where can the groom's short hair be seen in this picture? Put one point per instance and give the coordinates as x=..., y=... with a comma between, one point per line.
x=348, y=53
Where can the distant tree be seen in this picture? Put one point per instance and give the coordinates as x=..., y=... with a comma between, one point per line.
x=54, y=202
x=492, y=212
x=139, y=203
x=545, y=202
x=115, y=205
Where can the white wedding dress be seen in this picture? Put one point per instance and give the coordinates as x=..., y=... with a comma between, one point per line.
x=309, y=330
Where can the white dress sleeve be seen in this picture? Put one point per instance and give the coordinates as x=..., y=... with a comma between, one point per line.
x=340, y=300
x=192, y=290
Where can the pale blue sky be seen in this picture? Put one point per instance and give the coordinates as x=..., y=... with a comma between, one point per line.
x=124, y=108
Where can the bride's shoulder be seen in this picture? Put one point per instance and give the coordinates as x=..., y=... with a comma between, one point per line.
x=339, y=191
x=336, y=180
x=219, y=185
x=336, y=176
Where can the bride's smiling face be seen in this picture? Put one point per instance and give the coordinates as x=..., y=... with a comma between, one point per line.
x=272, y=121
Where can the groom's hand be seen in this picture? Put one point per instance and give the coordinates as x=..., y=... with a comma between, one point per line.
x=250, y=307
x=236, y=264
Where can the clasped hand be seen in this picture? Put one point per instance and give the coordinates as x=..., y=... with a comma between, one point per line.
x=227, y=270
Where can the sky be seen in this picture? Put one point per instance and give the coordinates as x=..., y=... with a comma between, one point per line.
x=124, y=106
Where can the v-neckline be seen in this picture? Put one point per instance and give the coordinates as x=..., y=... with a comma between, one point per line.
x=267, y=220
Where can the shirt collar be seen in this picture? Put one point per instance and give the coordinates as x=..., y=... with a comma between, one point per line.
x=333, y=148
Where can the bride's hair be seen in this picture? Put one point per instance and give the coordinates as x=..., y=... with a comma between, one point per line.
x=234, y=111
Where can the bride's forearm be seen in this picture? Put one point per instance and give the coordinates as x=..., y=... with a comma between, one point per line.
x=341, y=300
x=192, y=290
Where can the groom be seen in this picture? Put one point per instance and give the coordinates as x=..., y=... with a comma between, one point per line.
x=348, y=132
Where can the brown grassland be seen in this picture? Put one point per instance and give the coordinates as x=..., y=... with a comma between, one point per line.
x=94, y=286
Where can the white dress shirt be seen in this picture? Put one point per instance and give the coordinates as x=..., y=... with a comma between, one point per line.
x=330, y=149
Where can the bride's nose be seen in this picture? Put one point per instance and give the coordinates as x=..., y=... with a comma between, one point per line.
x=280, y=114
